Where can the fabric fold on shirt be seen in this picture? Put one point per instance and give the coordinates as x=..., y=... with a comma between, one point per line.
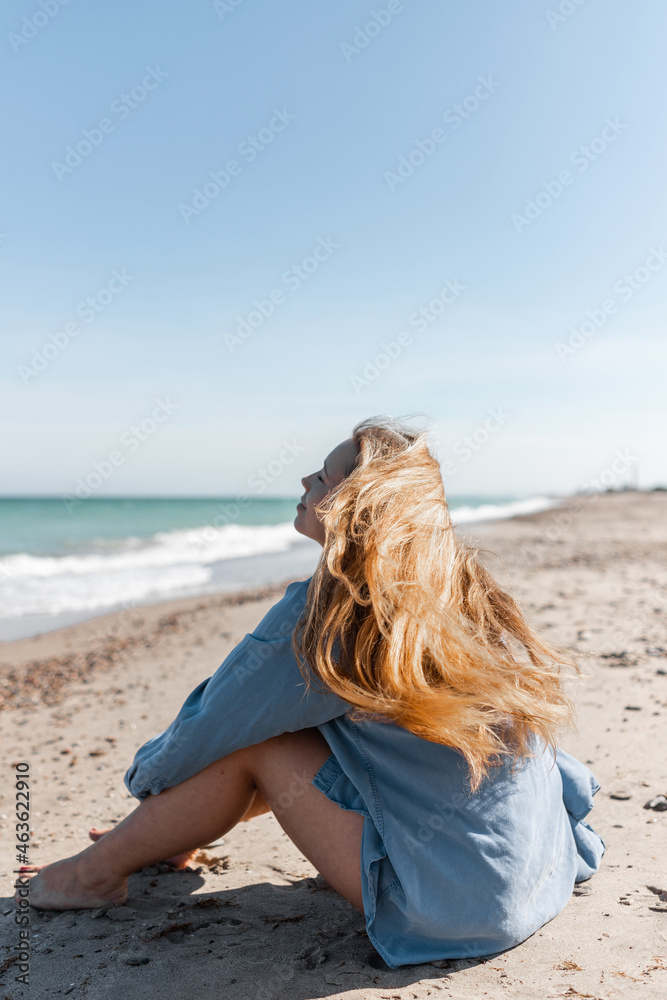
x=444, y=873
x=579, y=787
x=257, y=693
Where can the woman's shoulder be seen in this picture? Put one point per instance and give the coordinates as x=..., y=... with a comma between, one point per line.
x=279, y=622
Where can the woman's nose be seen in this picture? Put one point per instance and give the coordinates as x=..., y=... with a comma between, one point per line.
x=304, y=483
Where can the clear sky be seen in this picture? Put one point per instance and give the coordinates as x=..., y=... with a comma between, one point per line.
x=216, y=217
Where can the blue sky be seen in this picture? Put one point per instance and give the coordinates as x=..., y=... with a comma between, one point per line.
x=377, y=152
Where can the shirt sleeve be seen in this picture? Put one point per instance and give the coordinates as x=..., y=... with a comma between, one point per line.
x=258, y=692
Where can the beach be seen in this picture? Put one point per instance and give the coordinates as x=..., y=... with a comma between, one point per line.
x=251, y=918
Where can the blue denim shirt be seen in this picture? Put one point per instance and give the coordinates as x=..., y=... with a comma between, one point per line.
x=445, y=873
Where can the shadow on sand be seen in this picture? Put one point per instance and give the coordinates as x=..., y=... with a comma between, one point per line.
x=265, y=941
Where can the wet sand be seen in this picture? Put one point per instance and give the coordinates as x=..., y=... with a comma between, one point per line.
x=251, y=918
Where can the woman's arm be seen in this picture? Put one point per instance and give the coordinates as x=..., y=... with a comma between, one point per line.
x=258, y=692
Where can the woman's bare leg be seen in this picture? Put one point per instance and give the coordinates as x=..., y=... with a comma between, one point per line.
x=207, y=806
x=258, y=807
x=177, y=861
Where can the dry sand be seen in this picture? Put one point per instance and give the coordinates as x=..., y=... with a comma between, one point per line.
x=253, y=920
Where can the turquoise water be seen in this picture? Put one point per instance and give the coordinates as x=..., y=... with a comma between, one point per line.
x=45, y=526
x=61, y=562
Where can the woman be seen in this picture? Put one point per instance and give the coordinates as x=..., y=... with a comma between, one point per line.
x=398, y=716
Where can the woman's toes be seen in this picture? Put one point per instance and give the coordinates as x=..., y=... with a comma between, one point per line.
x=27, y=875
x=180, y=860
x=96, y=834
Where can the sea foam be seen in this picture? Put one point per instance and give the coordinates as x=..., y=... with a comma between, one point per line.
x=169, y=563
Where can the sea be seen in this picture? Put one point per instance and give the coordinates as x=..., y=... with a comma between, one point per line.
x=62, y=562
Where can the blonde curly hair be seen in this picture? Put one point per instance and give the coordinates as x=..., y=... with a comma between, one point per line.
x=404, y=622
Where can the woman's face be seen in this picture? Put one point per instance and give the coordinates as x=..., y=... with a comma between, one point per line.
x=319, y=484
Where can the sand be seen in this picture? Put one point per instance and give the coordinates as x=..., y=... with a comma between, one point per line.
x=253, y=919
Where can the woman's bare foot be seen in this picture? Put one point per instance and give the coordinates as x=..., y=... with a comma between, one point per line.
x=177, y=861
x=72, y=885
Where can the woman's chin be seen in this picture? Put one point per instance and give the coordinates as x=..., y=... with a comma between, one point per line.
x=301, y=524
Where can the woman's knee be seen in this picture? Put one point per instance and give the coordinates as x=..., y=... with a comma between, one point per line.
x=304, y=743
x=283, y=767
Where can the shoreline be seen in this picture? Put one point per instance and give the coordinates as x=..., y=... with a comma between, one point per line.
x=590, y=575
x=77, y=649
x=223, y=574
x=48, y=661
